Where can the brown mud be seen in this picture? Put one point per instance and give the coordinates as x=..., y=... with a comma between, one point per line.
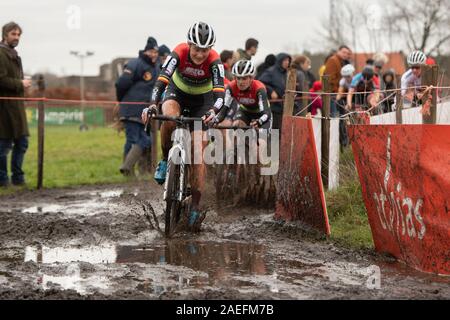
x=96, y=243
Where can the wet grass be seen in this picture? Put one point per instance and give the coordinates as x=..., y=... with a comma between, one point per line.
x=74, y=158
x=346, y=210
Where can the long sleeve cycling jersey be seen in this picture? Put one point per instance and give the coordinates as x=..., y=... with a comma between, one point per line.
x=409, y=80
x=252, y=100
x=190, y=78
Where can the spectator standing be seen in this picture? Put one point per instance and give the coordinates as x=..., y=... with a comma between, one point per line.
x=321, y=70
x=274, y=79
x=303, y=64
x=226, y=56
x=333, y=68
x=389, y=84
x=163, y=52
x=13, y=122
x=135, y=85
x=268, y=62
x=251, y=47
x=316, y=99
x=379, y=60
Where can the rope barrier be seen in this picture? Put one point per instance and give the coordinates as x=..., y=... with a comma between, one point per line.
x=367, y=92
x=55, y=103
x=306, y=108
x=111, y=102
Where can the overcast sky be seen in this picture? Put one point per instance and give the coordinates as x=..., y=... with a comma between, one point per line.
x=111, y=30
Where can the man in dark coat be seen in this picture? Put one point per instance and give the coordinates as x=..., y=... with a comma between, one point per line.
x=136, y=85
x=13, y=122
x=275, y=80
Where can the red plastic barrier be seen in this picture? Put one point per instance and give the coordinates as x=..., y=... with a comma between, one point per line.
x=405, y=178
x=300, y=193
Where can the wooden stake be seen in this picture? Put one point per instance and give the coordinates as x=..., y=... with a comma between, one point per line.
x=398, y=101
x=289, y=96
x=41, y=125
x=430, y=78
x=325, y=131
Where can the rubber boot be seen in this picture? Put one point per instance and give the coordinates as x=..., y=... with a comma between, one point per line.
x=132, y=157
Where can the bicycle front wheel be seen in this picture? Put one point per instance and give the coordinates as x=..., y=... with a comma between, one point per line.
x=173, y=204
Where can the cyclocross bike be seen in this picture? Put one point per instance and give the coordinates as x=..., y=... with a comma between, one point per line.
x=177, y=191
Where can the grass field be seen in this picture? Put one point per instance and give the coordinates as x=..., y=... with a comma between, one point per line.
x=93, y=157
x=346, y=210
x=75, y=158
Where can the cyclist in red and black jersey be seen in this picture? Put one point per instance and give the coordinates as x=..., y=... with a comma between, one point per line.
x=246, y=102
x=246, y=98
x=193, y=79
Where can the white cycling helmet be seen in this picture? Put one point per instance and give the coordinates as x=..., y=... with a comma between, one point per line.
x=347, y=70
x=202, y=35
x=416, y=58
x=243, y=68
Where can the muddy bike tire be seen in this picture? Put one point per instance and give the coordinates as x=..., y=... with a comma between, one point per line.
x=173, y=205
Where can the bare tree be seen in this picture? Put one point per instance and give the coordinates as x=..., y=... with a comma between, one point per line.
x=423, y=25
x=352, y=27
x=413, y=24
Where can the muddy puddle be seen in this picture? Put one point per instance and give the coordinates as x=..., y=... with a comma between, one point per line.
x=84, y=206
x=95, y=243
x=177, y=265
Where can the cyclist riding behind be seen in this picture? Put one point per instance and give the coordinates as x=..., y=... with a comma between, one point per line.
x=347, y=72
x=246, y=100
x=364, y=89
x=193, y=79
x=412, y=79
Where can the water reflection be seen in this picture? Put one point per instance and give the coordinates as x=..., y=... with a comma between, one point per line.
x=210, y=263
x=87, y=207
x=73, y=280
x=217, y=259
x=91, y=254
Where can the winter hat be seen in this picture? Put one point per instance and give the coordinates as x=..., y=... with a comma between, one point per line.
x=270, y=60
x=151, y=44
x=430, y=61
x=317, y=86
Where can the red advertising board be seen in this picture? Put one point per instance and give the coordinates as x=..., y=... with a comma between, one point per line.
x=405, y=177
x=300, y=193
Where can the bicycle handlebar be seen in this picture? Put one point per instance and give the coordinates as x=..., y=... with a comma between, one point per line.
x=234, y=127
x=183, y=119
x=176, y=119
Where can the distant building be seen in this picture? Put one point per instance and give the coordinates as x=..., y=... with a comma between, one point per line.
x=397, y=61
x=95, y=86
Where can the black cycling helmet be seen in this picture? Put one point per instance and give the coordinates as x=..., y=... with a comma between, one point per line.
x=368, y=73
x=202, y=35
